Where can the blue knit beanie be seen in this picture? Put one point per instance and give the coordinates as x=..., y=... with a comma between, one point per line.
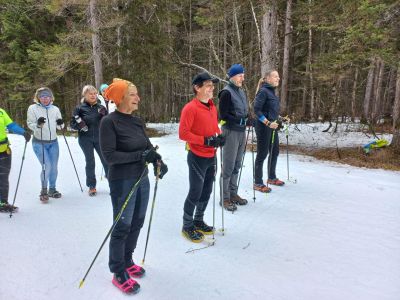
x=235, y=69
x=103, y=87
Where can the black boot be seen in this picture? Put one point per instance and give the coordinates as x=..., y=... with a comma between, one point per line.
x=192, y=235
x=202, y=227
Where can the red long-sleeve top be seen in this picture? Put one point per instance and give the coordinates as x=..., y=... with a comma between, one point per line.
x=199, y=121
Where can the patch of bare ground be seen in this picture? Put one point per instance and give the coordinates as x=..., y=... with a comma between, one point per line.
x=384, y=158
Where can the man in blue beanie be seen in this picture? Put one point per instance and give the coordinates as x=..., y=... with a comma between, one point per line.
x=233, y=110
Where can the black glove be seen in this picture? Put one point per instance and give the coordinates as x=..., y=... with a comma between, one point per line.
x=102, y=111
x=27, y=136
x=81, y=124
x=214, y=141
x=41, y=121
x=163, y=169
x=59, y=122
x=250, y=122
x=222, y=140
x=151, y=156
x=280, y=124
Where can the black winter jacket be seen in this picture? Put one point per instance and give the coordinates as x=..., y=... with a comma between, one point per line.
x=91, y=115
x=267, y=103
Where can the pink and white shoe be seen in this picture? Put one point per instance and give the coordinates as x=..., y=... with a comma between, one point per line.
x=125, y=283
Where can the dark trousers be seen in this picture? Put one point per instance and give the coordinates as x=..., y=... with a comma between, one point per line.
x=88, y=146
x=5, y=167
x=265, y=146
x=201, y=178
x=125, y=234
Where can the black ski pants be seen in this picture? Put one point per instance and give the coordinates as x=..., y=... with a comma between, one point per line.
x=88, y=145
x=125, y=234
x=5, y=167
x=265, y=147
x=201, y=178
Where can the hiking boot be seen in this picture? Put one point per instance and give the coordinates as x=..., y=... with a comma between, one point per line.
x=229, y=205
x=44, y=197
x=6, y=207
x=92, y=191
x=192, y=235
x=236, y=199
x=135, y=270
x=125, y=283
x=276, y=181
x=203, y=228
x=262, y=188
x=53, y=193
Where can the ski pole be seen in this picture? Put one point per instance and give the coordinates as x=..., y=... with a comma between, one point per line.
x=221, y=192
x=244, y=154
x=270, y=156
x=215, y=174
x=152, y=209
x=43, y=162
x=69, y=150
x=287, y=150
x=19, y=177
x=128, y=197
x=252, y=158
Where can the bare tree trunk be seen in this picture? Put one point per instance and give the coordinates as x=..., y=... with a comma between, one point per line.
x=98, y=65
x=368, y=91
x=286, y=55
x=353, y=95
x=396, y=114
x=309, y=62
x=258, y=29
x=239, y=39
x=269, y=32
x=378, y=90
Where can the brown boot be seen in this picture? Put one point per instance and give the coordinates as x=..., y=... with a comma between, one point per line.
x=236, y=199
x=229, y=205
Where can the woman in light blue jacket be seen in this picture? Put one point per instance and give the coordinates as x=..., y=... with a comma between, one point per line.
x=43, y=119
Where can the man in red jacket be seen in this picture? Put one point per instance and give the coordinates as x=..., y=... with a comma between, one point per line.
x=199, y=128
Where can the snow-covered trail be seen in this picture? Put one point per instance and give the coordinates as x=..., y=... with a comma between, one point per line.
x=335, y=234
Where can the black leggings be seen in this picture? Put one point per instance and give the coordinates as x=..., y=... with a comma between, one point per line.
x=265, y=147
x=5, y=167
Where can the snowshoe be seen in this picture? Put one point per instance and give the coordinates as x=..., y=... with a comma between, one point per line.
x=53, y=193
x=236, y=199
x=193, y=235
x=262, y=188
x=125, y=283
x=6, y=207
x=135, y=271
x=44, y=197
x=275, y=181
x=229, y=205
x=203, y=228
x=92, y=192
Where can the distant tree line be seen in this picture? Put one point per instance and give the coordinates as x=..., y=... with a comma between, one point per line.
x=338, y=60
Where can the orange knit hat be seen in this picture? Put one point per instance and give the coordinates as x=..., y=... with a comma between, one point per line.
x=117, y=90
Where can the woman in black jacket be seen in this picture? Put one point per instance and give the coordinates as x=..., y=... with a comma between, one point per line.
x=266, y=108
x=86, y=119
x=127, y=150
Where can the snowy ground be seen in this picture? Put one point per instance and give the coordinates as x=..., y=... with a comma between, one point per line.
x=335, y=234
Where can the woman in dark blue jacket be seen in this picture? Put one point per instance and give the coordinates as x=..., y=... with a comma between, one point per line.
x=266, y=108
x=86, y=119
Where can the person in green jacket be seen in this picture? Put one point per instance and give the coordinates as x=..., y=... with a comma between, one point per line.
x=6, y=123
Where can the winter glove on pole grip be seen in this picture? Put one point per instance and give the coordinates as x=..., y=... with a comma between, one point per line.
x=151, y=156
x=41, y=121
x=27, y=136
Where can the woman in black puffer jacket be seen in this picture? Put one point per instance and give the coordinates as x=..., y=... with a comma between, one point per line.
x=86, y=119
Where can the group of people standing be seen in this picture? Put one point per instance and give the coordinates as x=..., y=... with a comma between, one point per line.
x=107, y=124
x=199, y=129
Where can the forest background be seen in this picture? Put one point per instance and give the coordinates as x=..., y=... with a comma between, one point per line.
x=338, y=60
